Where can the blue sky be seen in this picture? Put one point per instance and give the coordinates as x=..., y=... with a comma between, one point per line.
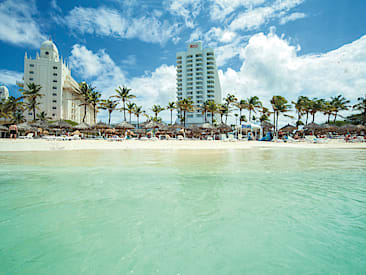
x=263, y=47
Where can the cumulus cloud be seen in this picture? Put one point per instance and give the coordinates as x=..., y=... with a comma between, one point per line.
x=156, y=87
x=110, y=22
x=271, y=65
x=17, y=25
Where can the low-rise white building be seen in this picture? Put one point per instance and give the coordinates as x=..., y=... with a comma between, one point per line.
x=61, y=99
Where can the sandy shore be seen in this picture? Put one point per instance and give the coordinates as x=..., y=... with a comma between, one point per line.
x=7, y=145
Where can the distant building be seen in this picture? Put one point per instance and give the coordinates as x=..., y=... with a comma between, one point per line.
x=4, y=93
x=197, y=79
x=61, y=99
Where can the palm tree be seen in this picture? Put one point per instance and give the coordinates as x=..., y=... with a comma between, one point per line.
x=300, y=106
x=264, y=114
x=85, y=91
x=4, y=109
x=32, y=94
x=361, y=106
x=42, y=116
x=110, y=105
x=185, y=106
x=130, y=108
x=156, y=110
x=328, y=109
x=253, y=104
x=222, y=110
x=316, y=105
x=229, y=100
x=212, y=109
x=138, y=111
x=279, y=105
x=124, y=95
x=241, y=105
x=171, y=107
x=94, y=100
x=340, y=104
x=204, y=109
x=18, y=117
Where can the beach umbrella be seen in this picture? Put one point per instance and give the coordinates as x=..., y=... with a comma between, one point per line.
x=40, y=124
x=26, y=127
x=60, y=124
x=361, y=127
x=224, y=127
x=82, y=126
x=110, y=131
x=348, y=128
x=125, y=125
x=77, y=132
x=288, y=128
x=3, y=128
x=207, y=126
x=329, y=128
x=312, y=127
x=175, y=126
x=101, y=125
x=152, y=125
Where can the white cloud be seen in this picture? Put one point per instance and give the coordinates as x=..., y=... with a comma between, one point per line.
x=109, y=22
x=188, y=9
x=130, y=60
x=8, y=78
x=157, y=87
x=220, y=9
x=17, y=25
x=54, y=5
x=272, y=66
x=252, y=19
x=292, y=17
x=218, y=34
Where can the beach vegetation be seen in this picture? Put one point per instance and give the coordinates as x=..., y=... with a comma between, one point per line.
x=32, y=94
x=124, y=95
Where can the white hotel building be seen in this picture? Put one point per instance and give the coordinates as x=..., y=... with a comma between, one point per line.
x=197, y=79
x=61, y=99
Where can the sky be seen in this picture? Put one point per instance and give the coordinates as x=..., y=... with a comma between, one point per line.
x=262, y=47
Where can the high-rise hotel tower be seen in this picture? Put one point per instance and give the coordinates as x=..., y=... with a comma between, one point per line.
x=197, y=79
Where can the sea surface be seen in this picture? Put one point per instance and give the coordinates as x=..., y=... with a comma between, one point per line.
x=257, y=211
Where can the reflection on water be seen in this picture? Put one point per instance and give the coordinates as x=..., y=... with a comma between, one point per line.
x=186, y=212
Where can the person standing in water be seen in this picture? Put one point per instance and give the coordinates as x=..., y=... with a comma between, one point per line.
x=13, y=129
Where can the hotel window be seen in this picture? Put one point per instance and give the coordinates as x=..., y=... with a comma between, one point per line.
x=54, y=108
x=54, y=94
x=54, y=87
x=54, y=101
x=55, y=80
x=54, y=74
x=55, y=68
x=53, y=114
x=30, y=79
x=30, y=114
x=31, y=65
x=31, y=72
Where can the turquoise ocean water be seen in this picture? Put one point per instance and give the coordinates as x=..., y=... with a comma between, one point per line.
x=262, y=211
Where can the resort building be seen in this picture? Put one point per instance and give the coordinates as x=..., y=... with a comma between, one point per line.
x=4, y=93
x=61, y=99
x=197, y=79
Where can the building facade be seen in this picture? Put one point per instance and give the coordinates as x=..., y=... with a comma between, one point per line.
x=61, y=99
x=197, y=79
x=4, y=93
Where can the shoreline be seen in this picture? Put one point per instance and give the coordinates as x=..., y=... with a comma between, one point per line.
x=21, y=145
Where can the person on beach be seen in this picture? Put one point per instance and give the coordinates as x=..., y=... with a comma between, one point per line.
x=13, y=129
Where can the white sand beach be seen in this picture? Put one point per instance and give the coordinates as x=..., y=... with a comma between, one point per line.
x=7, y=145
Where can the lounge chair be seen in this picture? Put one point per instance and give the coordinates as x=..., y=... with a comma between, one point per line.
x=27, y=136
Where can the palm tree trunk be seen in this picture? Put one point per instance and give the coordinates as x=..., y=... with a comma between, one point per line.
x=307, y=116
x=274, y=123
x=250, y=112
x=138, y=121
x=205, y=116
x=240, y=116
x=328, y=118
x=313, y=117
x=226, y=118
x=130, y=118
x=335, y=117
x=94, y=116
x=184, y=119
x=84, y=113
x=171, y=117
x=212, y=118
x=34, y=113
x=109, y=117
x=278, y=114
x=124, y=110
